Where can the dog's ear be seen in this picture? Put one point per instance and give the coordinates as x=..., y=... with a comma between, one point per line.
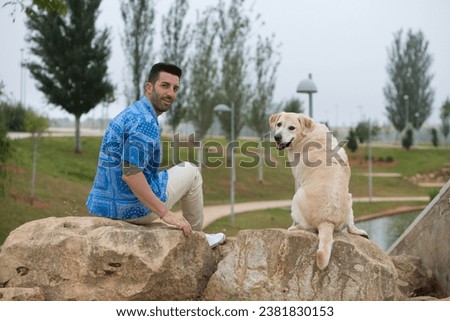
x=305, y=121
x=273, y=119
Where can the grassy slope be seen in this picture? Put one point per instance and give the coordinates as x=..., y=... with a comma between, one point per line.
x=64, y=179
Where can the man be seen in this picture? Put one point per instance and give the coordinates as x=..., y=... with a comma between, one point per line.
x=128, y=184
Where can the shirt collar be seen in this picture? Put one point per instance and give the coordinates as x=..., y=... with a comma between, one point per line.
x=148, y=106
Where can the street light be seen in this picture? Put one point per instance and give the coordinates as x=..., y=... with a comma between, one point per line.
x=224, y=108
x=406, y=98
x=307, y=86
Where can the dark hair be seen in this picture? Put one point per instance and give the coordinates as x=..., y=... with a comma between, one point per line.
x=161, y=66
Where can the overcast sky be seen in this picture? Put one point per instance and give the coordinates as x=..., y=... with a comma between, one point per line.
x=342, y=43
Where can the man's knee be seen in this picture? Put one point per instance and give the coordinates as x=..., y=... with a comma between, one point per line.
x=193, y=170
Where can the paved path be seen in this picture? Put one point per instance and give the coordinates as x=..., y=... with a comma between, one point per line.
x=215, y=212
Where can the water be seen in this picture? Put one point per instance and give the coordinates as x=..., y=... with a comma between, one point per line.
x=384, y=231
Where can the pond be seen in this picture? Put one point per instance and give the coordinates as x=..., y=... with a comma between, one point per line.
x=384, y=231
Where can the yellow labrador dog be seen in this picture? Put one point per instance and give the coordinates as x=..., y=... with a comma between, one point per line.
x=322, y=202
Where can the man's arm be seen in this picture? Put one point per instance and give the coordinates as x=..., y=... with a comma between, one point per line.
x=137, y=182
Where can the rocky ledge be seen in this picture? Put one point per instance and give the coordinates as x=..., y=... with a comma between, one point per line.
x=89, y=258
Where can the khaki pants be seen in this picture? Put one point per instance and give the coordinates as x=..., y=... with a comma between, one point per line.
x=184, y=185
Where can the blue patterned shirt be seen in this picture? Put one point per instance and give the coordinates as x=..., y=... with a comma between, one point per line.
x=133, y=136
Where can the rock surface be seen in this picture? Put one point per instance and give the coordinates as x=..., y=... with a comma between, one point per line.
x=21, y=294
x=274, y=264
x=414, y=278
x=88, y=258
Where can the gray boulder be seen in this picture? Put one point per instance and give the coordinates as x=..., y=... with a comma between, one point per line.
x=274, y=264
x=89, y=258
x=414, y=278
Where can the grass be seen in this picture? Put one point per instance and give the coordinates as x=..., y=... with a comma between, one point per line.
x=64, y=179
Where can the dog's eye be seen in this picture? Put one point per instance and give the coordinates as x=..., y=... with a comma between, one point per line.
x=279, y=124
x=291, y=127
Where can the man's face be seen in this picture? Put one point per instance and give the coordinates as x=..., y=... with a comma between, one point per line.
x=163, y=93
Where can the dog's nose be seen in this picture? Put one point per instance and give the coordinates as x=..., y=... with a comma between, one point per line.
x=277, y=137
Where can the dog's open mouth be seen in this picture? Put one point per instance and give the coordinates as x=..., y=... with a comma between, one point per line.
x=281, y=146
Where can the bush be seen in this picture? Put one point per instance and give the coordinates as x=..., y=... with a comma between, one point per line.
x=407, y=140
x=5, y=153
x=13, y=116
x=434, y=137
x=433, y=193
x=352, y=142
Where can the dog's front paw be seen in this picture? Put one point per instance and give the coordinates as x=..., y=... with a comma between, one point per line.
x=365, y=235
x=293, y=228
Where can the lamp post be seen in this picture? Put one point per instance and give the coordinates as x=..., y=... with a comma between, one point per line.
x=307, y=86
x=225, y=108
x=406, y=98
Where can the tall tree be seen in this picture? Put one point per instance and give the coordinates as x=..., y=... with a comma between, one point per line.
x=175, y=42
x=293, y=105
x=233, y=29
x=5, y=145
x=36, y=125
x=266, y=65
x=362, y=130
x=31, y=7
x=137, y=41
x=409, y=96
x=445, y=118
x=73, y=56
x=203, y=81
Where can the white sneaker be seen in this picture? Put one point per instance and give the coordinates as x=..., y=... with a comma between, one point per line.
x=215, y=239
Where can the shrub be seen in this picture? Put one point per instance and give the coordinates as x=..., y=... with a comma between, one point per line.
x=352, y=142
x=434, y=137
x=407, y=140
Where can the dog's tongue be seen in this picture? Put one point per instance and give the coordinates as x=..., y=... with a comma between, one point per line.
x=281, y=146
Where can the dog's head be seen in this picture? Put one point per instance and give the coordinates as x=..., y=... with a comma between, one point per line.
x=289, y=128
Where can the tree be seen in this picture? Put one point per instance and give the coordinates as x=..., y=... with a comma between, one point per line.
x=266, y=65
x=233, y=29
x=362, y=131
x=434, y=137
x=352, y=142
x=445, y=118
x=13, y=115
x=203, y=82
x=72, y=71
x=409, y=96
x=408, y=139
x=5, y=148
x=32, y=7
x=293, y=105
x=175, y=42
x=137, y=41
x=176, y=37
x=5, y=153
x=36, y=125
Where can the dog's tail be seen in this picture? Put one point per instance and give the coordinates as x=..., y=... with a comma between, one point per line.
x=325, y=244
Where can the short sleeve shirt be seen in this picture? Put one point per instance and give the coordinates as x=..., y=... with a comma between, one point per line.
x=133, y=136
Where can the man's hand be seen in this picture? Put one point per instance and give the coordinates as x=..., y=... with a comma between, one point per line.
x=178, y=221
x=138, y=184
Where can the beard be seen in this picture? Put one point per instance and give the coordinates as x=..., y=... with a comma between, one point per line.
x=160, y=104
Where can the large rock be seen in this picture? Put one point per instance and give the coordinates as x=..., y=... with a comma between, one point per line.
x=89, y=258
x=414, y=278
x=275, y=264
x=21, y=294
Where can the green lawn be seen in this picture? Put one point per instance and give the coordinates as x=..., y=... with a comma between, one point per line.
x=64, y=179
